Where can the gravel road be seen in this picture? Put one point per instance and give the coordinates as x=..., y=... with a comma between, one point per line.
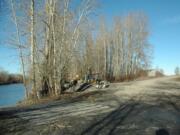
x=148, y=107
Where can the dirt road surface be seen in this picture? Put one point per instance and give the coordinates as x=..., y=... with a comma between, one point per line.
x=148, y=107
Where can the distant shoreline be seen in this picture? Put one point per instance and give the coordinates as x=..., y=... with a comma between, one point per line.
x=9, y=83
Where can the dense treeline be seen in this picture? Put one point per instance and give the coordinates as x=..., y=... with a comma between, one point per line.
x=58, y=40
x=123, y=51
x=6, y=78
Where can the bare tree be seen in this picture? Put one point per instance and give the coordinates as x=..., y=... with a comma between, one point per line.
x=20, y=46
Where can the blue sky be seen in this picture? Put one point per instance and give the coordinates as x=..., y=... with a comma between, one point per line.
x=164, y=27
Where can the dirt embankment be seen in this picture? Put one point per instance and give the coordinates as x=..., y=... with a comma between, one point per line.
x=147, y=107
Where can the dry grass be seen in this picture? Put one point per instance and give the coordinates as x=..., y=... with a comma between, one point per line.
x=33, y=101
x=66, y=96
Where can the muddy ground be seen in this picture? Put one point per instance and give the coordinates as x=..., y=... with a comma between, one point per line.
x=149, y=107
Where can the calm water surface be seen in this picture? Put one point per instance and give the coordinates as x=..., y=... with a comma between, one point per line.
x=11, y=94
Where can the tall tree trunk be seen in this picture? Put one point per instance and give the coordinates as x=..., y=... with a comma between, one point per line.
x=32, y=40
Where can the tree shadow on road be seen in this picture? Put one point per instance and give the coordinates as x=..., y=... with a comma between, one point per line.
x=166, y=86
x=169, y=94
x=162, y=132
x=109, y=123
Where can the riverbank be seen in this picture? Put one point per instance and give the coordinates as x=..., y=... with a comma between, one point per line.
x=139, y=108
x=46, y=100
x=8, y=78
x=9, y=83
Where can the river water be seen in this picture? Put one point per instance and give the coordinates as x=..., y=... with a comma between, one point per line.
x=11, y=94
